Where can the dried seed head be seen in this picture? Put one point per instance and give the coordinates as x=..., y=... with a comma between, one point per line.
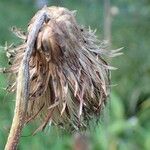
x=69, y=79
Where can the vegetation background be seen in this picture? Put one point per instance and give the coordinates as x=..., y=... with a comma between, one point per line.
x=125, y=123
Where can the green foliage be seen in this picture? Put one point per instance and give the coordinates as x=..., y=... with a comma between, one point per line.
x=125, y=123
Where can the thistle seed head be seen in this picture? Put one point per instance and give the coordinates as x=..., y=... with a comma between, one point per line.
x=69, y=78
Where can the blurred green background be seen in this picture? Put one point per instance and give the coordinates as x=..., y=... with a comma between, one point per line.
x=125, y=123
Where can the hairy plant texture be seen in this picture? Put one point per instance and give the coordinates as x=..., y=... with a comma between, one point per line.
x=69, y=79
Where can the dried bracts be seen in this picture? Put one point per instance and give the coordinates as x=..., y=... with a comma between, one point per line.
x=68, y=77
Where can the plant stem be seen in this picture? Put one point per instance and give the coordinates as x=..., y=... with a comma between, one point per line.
x=23, y=87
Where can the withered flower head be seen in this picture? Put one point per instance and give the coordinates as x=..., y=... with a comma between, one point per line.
x=69, y=79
